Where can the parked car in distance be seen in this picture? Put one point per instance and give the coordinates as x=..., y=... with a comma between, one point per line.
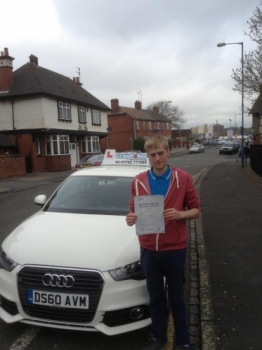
x=228, y=148
x=194, y=149
x=202, y=148
x=221, y=142
x=88, y=161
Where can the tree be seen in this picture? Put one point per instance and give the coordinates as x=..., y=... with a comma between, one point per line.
x=252, y=62
x=172, y=112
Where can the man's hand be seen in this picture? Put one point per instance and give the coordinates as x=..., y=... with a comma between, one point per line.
x=173, y=214
x=131, y=219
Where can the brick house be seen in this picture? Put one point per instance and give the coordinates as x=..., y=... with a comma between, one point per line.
x=125, y=124
x=50, y=118
x=256, y=112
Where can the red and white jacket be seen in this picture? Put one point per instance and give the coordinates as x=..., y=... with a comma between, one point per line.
x=181, y=195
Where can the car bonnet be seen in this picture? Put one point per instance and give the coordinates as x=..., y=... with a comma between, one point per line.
x=100, y=242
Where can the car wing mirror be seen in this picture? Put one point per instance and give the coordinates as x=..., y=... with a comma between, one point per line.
x=40, y=200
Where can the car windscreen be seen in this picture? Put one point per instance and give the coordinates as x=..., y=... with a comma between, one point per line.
x=109, y=195
x=227, y=145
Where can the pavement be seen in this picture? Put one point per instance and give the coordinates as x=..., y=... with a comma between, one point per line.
x=225, y=304
x=229, y=246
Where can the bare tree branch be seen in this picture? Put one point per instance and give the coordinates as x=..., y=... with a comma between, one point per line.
x=172, y=112
x=252, y=61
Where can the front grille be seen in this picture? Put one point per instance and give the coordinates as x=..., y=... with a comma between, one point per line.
x=8, y=306
x=86, y=282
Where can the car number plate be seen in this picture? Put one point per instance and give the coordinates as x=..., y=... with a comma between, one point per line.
x=75, y=301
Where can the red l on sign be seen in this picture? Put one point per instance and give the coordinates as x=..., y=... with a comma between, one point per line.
x=108, y=155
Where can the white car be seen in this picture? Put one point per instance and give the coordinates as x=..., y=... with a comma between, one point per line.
x=75, y=263
x=195, y=149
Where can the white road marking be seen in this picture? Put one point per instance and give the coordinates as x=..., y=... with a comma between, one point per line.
x=25, y=338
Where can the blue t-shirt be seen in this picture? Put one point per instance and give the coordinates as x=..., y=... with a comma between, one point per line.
x=159, y=184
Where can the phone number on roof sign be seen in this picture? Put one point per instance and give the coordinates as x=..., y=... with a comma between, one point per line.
x=130, y=161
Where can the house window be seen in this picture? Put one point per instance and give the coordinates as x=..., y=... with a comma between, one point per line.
x=64, y=111
x=81, y=114
x=167, y=126
x=38, y=148
x=96, y=117
x=150, y=125
x=144, y=125
x=6, y=152
x=137, y=124
x=260, y=119
x=57, y=144
x=90, y=144
x=158, y=125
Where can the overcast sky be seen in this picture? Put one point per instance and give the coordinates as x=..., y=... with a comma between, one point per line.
x=149, y=50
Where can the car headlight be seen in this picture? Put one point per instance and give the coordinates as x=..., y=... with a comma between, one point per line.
x=6, y=263
x=131, y=271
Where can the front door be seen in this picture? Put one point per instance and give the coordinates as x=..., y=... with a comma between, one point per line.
x=73, y=151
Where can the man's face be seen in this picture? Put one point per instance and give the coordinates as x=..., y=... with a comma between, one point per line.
x=158, y=158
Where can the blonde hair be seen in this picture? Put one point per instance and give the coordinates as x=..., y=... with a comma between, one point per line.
x=155, y=142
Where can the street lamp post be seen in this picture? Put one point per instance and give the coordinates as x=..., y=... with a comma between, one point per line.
x=242, y=104
x=230, y=122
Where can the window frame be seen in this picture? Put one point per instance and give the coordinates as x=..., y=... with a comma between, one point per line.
x=90, y=144
x=64, y=111
x=57, y=145
x=38, y=147
x=81, y=114
x=96, y=117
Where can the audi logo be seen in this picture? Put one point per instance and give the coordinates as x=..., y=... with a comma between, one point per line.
x=58, y=280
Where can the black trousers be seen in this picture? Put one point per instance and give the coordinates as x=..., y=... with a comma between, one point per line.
x=171, y=265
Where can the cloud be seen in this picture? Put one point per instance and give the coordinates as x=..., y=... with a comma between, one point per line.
x=165, y=49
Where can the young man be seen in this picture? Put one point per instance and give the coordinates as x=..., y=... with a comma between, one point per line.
x=164, y=255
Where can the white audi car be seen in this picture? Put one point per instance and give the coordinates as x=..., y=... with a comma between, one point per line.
x=75, y=263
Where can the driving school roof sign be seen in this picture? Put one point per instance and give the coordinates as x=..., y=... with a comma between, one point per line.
x=125, y=158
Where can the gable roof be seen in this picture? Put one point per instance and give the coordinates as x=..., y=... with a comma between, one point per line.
x=5, y=142
x=31, y=79
x=141, y=114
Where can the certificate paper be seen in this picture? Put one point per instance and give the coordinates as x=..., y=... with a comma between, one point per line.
x=150, y=217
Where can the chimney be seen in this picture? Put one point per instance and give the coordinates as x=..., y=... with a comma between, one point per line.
x=156, y=109
x=6, y=70
x=33, y=59
x=77, y=81
x=138, y=105
x=115, y=105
